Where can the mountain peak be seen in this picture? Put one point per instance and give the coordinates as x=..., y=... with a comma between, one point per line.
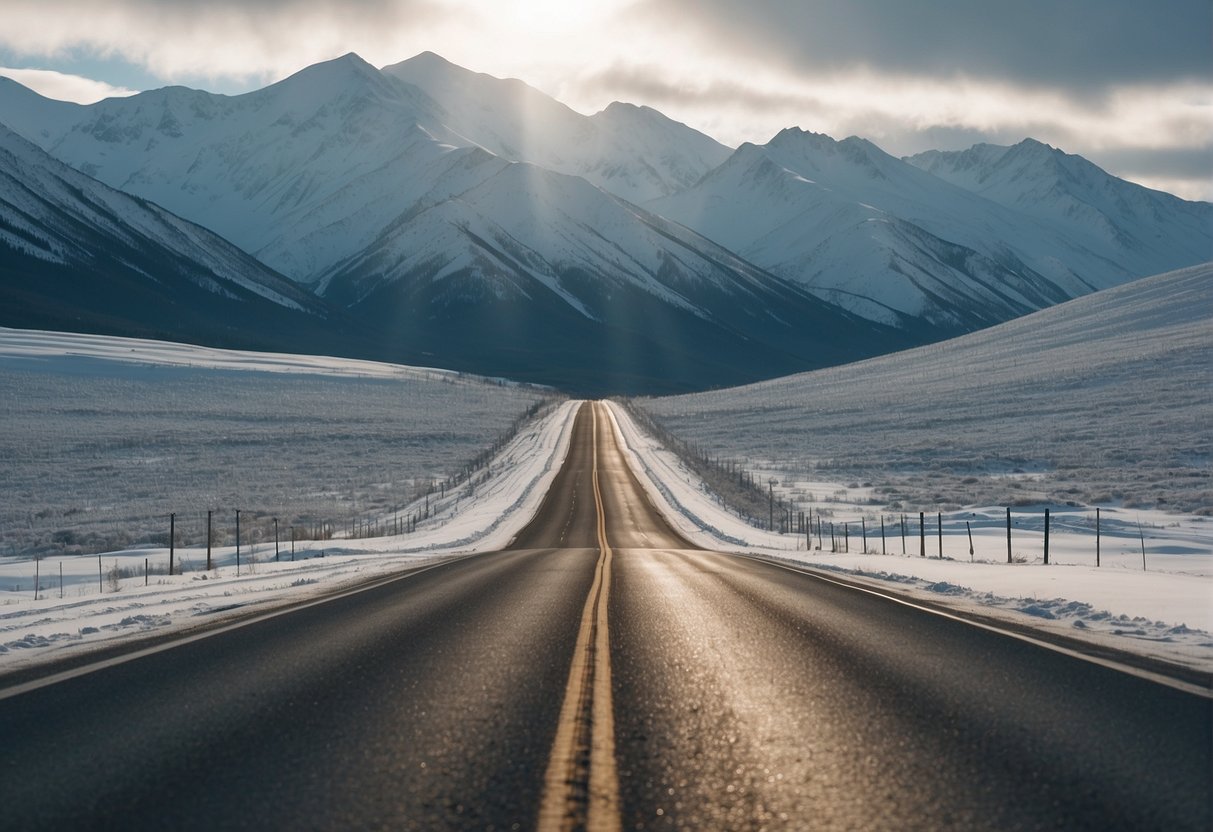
x=347, y=67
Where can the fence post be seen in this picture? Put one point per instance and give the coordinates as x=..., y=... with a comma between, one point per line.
x=922, y=534
x=37, y=567
x=172, y=540
x=1009, y=534
x=60, y=579
x=145, y=570
x=863, y=524
x=237, y=543
x=1097, y=536
x=275, y=540
x=903, y=534
x=882, y=547
x=1046, y=537
x=100, y=583
x=208, y=540
x=939, y=529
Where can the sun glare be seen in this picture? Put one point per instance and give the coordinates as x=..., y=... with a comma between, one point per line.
x=542, y=17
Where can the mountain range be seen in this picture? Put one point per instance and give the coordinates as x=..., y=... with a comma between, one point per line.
x=453, y=218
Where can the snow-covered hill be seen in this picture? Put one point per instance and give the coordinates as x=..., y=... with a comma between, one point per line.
x=1104, y=400
x=895, y=243
x=76, y=252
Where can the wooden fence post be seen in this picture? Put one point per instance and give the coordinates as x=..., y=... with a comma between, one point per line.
x=939, y=530
x=882, y=546
x=969, y=529
x=172, y=540
x=1009, y=534
x=1046, y=537
x=1096, y=536
x=922, y=534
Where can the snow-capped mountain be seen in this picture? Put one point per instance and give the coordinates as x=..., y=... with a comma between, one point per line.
x=77, y=253
x=889, y=240
x=300, y=174
x=478, y=223
x=532, y=263
x=1150, y=231
x=308, y=171
x=633, y=152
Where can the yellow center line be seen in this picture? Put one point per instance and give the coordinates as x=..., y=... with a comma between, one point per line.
x=581, y=786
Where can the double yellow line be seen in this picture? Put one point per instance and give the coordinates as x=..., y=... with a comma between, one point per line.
x=581, y=786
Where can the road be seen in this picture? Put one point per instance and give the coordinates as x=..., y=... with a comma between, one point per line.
x=604, y=674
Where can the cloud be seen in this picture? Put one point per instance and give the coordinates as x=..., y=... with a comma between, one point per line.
x=63, y=86
x=1114, y=80
x=217, y=39
x=1077, y=45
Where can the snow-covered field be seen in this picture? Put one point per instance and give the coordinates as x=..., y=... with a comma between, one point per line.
x=1060, y=410
x=105, y=437
x=88, y=601
x=1105, y=401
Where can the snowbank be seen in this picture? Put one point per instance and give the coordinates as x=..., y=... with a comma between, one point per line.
x=1165, y=611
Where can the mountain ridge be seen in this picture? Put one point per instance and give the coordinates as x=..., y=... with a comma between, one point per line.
x=425, y=189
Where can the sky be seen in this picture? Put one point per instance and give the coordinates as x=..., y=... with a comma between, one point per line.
x=1125, y=83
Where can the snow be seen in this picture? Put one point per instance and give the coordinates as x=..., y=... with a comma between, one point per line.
x=42, y=198
x=1104, y=401
x=885, y=237
x=1165, y=611
x=102, y=598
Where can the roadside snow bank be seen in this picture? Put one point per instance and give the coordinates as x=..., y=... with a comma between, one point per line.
x=1166, y=612
x=89, y=601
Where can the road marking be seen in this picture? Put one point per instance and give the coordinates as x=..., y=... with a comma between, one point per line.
x=581, y=786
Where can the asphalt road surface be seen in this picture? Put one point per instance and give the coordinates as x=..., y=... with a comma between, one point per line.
x=604, y=674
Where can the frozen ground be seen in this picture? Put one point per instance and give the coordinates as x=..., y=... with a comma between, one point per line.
x=103, y=438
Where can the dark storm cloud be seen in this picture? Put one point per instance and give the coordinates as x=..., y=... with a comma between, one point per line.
x=1170, y=163
x=654, y=85
x=1079, y=45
